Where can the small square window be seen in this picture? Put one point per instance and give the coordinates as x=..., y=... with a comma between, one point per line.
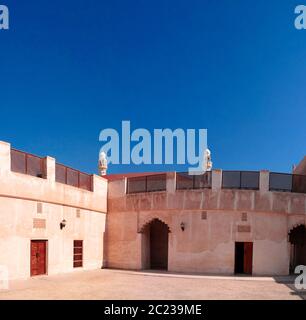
x=204, y=215
x=244, y=216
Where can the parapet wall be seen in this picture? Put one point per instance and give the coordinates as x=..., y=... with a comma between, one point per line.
x=22, y=186
x=214, y=198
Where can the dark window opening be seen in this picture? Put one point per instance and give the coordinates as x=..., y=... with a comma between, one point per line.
x=78, y=253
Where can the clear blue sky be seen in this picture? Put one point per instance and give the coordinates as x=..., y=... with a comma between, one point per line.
x=238, y=68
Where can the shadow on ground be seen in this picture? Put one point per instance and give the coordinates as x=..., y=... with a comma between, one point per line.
x=289, y=282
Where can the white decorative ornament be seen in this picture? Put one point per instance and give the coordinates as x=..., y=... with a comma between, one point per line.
x=207, y=161
x=102, y=164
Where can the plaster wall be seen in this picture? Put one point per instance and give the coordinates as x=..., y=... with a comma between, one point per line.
x=214, y=220
x=32, y=208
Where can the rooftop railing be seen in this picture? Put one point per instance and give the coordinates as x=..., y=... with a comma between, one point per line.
x=73, y=177
x=284, y=182
x=240, y=180
x=185, y=181
x=26, y=163
x=33, y=165
x=151, y=183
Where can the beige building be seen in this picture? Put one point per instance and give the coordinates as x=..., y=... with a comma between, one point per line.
x=55, y=219
x=52, y=218
x=224, y=222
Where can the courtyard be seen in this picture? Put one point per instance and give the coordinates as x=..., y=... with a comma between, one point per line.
x=111, y=284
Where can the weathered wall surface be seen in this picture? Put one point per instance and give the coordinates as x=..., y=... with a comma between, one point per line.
x=207, y=245
x=20, y=223
x=32, y=208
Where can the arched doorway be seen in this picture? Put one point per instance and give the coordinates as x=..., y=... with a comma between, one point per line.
x=297, y=238
x=155, y=236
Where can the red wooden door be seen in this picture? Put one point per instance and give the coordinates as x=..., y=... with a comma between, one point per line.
x=38, y=257
x=248, y=257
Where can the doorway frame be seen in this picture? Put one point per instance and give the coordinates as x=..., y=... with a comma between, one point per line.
x=246, y=244
x=145, y=244
x=295, y=247
x=46, y=256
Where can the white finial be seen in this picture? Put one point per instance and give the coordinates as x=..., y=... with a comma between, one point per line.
x=102, y=163
x=207, y=161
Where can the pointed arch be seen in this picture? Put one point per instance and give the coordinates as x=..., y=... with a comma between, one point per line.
x=297, y=233
x=147, y=224
x=295, y=226
x=155, y=244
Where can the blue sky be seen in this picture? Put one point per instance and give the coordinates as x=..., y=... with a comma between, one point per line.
x=71, y=68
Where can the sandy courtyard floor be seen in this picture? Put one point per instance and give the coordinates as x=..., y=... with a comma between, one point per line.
x=117, y=284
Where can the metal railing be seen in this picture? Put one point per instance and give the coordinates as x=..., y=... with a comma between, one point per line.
x=185, y=181
x=286, y=182
x=152, y=183
x=240, y=180
x=27, y=163
x=72, y=177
